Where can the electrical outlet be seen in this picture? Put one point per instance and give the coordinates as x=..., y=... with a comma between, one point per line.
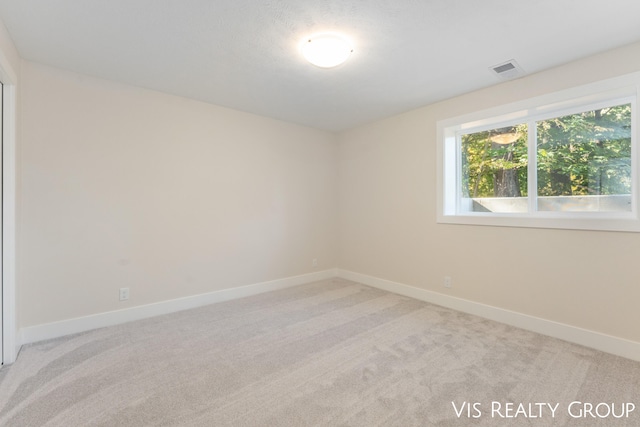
x=124, y=294
x=314, y=262
x=447, y=282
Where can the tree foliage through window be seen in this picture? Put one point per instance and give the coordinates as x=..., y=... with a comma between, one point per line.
x=581, y=154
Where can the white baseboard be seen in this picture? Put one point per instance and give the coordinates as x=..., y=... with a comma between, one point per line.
x=610, y=344
x=607, y=343
x=81, y=324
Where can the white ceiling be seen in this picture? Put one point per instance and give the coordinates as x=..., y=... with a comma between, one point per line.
x=244, y=54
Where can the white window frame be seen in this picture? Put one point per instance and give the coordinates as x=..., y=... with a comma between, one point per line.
x=619, y=90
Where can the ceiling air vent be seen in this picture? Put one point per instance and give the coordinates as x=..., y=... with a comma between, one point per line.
x=507, y=70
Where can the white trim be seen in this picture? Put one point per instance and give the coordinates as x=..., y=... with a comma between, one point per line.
x=596, y=340
x=81, y=324
x=10, y=346
x=607, y=343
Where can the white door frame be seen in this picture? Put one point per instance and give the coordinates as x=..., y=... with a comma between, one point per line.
x=9, y=346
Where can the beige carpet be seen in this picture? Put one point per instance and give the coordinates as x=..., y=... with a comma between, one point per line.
x=331, y=353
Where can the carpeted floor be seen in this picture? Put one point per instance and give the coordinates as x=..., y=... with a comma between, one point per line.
x=331, y=353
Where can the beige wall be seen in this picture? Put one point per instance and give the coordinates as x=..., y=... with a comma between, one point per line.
x=8, y=50
x=124, y=187
x=388, y=229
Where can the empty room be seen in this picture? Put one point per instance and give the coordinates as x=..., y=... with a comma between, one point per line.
x=320, y=213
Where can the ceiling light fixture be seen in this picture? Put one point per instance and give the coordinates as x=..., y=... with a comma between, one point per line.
x=326, y=50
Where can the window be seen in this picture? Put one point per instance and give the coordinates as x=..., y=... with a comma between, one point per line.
x=566, y=160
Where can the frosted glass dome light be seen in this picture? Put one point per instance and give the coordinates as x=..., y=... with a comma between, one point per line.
x=326, y=50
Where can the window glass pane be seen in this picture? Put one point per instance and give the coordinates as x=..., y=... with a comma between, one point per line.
x=584, y=161
x=494, y=170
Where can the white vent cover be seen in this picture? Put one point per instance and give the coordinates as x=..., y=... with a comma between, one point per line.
x=507, y=70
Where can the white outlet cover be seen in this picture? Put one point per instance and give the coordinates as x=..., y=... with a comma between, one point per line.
x=447, y=282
